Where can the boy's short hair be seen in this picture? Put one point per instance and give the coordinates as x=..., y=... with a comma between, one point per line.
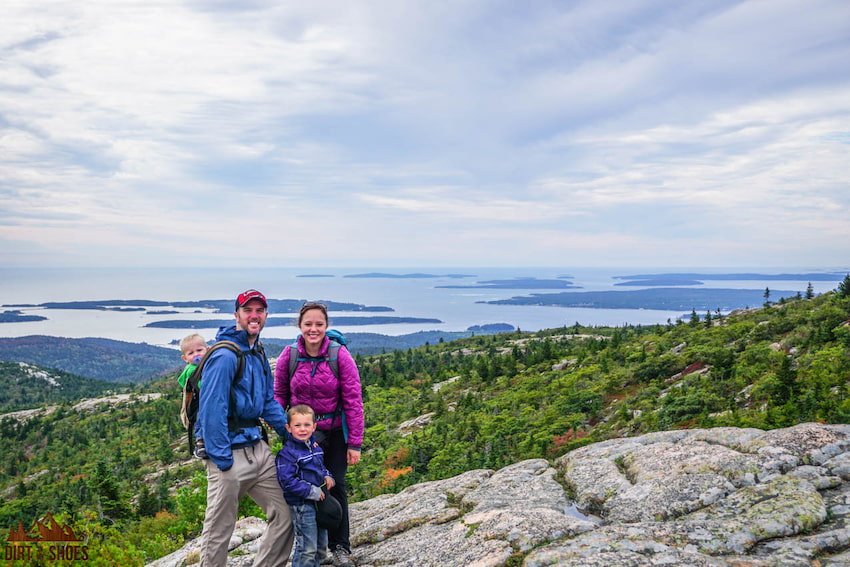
x=189, y=339
x=300, y=409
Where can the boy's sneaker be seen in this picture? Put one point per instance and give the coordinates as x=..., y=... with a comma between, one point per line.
x=342, y=558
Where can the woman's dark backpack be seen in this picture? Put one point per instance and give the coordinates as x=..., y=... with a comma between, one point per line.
x=338, y=341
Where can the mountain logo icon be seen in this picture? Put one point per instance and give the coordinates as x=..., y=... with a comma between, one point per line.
x=46, y=529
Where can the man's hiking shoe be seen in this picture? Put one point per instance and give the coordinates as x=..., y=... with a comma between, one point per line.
x=326, y=560
x=342, y=558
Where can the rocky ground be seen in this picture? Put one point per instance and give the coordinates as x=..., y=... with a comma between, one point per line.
x=85, y=405
x=722, y=497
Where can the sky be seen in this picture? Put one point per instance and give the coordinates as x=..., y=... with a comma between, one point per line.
x=425, y=133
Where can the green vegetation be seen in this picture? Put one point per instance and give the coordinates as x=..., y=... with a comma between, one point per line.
x=519, y=396
x=118, y=361
x=104, y=472
x=26, y=386
x=120, y=474
x=101, y=359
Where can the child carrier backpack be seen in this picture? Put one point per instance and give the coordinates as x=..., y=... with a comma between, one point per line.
x=192, y=390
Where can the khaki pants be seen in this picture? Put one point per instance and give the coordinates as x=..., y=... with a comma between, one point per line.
x=253, y=473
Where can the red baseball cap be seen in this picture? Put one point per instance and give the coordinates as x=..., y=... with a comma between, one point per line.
x=247, y=296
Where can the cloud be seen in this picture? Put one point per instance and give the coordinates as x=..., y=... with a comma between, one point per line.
x=456, y=203
x=423, y=132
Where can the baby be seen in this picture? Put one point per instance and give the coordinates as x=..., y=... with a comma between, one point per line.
x=192, y=348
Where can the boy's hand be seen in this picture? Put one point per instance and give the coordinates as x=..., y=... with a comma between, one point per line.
x=329, y=482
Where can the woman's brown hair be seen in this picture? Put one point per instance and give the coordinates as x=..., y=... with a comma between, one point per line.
x=313, y=305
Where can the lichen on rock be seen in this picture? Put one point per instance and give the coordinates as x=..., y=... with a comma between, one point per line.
x=722, y=497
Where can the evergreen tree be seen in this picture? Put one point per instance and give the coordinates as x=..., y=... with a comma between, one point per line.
x=844, y=287
x=787, y=379
x=105, y=486
x=147, y=503
x=694, y=318
x=810, y=291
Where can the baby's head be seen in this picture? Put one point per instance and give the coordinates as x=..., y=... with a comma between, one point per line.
x=301, y=421
x=192, y=348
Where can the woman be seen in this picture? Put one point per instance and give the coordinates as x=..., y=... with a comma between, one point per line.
x=338, y=404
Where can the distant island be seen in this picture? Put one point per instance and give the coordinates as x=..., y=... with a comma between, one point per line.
x=407, y=276
x=668, y=298
x=657, y=280
x=316, y=276
x=492, y=328
x=18, y=317
x=103, y=305
x=660, y=281
x=516, y=283
x=215, y=305
x=285, y=321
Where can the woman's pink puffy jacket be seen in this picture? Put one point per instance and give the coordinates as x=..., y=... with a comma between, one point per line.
x=322, y=391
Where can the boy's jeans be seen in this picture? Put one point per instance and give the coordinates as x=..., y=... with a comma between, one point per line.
x=310, y=540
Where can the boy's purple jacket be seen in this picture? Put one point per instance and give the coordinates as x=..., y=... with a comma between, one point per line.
x=322, y=391
x=300, y=467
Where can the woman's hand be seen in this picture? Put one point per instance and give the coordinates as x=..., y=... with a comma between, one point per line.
x=353, y=457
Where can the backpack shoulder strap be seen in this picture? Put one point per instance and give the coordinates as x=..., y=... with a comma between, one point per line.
x=333, y=359
x=293, y=359
x=192, y=389
x=192, y=382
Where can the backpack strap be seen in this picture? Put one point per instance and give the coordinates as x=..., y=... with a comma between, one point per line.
x=191, y=391
x=195, y=378
x=234, y=422
x=333, y=361
x=293, y=359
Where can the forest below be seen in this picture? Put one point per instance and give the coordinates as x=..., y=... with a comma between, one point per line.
x=121, y=476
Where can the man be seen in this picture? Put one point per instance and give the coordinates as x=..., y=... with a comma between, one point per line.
x=239, y=459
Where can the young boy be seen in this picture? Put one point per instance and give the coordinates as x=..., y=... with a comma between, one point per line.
x=192, y=348
x=301, y=473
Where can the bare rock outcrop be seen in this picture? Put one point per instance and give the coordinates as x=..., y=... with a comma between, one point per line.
x=722, y=497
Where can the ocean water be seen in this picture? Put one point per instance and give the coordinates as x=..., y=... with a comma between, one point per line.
x=458, y=309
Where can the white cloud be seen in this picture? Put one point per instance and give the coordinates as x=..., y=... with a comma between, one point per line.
x=606, y=132
x=458, y=203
